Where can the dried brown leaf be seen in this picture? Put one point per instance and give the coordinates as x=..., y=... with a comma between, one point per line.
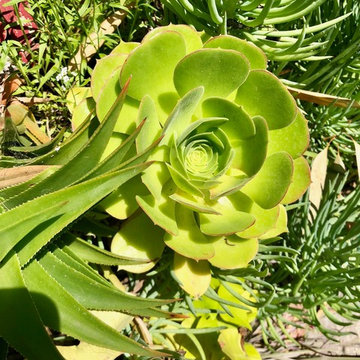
x=339, y=161
x=38, y=134
x=16, y=175
x=318, y=176
x=11, y=84
x=17, y=112
x=323, y=99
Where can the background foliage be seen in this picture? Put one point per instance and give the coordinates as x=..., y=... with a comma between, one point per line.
x=312, y=46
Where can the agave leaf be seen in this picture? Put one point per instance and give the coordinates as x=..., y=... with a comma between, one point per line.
x=95, y=255
x=115, y=158
x=137, y=159
x=69, y=148
x=155, y=312
x=10, y=161
x=85, y=351
x=86, y=290
x=71, y=259
x=17, y=307
x=69, y=314
x=65, y=206
x=79, y=165
x=40, y=149
x=15, y=228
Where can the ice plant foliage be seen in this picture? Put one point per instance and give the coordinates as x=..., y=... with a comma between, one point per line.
x=230, y=155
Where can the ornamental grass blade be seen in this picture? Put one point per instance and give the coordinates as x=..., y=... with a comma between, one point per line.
x=72, y=318
x=20, y=323
x=70, y=203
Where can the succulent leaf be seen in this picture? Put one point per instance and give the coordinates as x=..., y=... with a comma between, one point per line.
x=255, y=56
x=131, y=242
x=270, y=100
x=194, y=276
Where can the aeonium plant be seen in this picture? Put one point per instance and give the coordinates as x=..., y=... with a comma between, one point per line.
x=229, y=159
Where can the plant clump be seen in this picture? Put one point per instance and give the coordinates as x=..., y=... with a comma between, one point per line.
x=229, y=159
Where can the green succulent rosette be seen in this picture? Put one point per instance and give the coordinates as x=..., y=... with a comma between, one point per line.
x=230, y=154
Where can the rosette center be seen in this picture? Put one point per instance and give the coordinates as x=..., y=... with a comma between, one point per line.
x=200, y=159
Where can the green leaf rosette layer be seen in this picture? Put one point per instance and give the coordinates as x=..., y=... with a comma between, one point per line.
x=230, y=154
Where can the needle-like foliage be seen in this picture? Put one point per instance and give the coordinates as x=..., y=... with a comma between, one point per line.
x=315, y=266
